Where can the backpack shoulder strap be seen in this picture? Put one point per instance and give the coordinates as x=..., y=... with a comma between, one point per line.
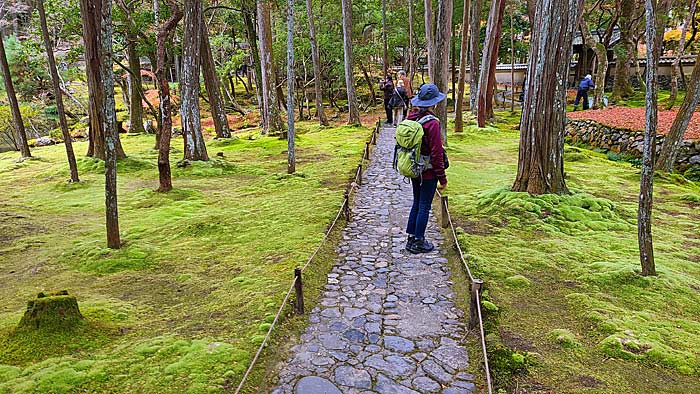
x=427, y=118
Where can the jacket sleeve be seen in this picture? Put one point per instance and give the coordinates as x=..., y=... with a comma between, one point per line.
x=436, y=150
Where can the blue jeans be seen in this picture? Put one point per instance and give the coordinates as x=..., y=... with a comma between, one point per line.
x=423, y=194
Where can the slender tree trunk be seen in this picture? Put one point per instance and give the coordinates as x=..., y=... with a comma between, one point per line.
x=679, y=56
x=57, y=92
x=316, y=60
x=624, y=52
x=97, y=33
x=512, y=60
x=135, y=89
x=674, y=138
x=195, y=149
x=453, y=68
x=463, y=49
x=474, y=58
x=540, y=157
x=441, y=59
x=211, y=82
x=163, y=39
x=384, y=40
x=487, y=77
x=291, y=79
x=353, y=110
x=272, y=120
x=656, y=16
x=250, y=20
x=411, y=45
x=17, y=121
x=429, y=37
x=370, y=84
x=601, y=57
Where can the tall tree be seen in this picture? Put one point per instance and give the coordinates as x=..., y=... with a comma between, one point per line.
x=600, y=46
x=674, y=138
x=625, y=51
x=429, y=35
x=489, y=59
x=96, y=18
x=540, y=157
x=656, y=12
x=272, y=120
x=474, y=52
x=134, y=77
x=291, y=80
x=385, y=45
x=411, y=45
x=195, y=149
x=440, y=60
x=676, y=71
x=249, y=9
x=211, y=82
x=163, y=39
x=57, y=92
x=353, y=110
x=315, y=58
x=463, y=49
x=17, y=121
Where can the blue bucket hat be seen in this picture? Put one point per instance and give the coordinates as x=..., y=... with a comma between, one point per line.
x=428, y=95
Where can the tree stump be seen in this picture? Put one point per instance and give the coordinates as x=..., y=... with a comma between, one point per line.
x=54, y=311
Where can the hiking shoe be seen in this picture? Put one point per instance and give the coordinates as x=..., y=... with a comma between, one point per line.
x=411, y=240
x=421, y=246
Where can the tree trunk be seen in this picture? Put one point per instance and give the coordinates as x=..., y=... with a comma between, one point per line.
x=370, y=84
x=291, y=79
x=163, y=39
x=489, y=59
x=540, y=157
x=135, y=89
x=91, y=23
x=272, y=120
x=17, y=121
x=250, y=19
x=384, y=40
x=97, y=33
x=463, y=49
x=679, y=56
x=211, y=82
x=674, y=138
x=441, y=59
x=656, y=16
x=601, y=57
x=429, y=37
x=474, y=59
x=57, y=92
x=316, y=60
x=512, y=60
x=411, y=45
x=195, y=149
x=624, y=51
x=353, y=110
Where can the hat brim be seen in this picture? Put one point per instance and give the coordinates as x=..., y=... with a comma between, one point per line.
x=417, y=102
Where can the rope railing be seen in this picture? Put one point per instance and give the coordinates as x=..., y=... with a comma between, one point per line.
x=296, y=285
x=475, y=315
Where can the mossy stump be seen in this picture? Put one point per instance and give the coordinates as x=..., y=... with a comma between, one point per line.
x=54, y=311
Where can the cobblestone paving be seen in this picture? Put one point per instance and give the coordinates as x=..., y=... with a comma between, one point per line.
x=387, y=322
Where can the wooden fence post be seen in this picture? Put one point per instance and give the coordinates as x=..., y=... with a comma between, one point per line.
x=346, y=208
x=444, y=217
x=366, y=157
x=359, y=175
x=298, y=287
x=474, y=303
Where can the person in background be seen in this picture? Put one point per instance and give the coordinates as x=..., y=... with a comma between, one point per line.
x=424, y=187
x=582, y=92
x=408, y=87
x=387, y=86
x=399, y=102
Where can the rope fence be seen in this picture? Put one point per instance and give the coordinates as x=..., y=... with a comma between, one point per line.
x=297, y=284
x=475, y=315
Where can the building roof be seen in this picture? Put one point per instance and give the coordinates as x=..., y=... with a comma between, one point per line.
x=578, y=40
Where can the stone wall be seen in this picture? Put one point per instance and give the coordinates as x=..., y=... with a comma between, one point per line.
x=630, y=142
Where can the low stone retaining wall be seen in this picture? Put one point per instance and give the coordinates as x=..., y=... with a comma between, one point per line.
x=630, y=142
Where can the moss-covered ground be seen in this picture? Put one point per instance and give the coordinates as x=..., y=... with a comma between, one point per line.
x=184, y=304
x=561, y=272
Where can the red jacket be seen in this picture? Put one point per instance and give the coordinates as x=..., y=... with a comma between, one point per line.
x=431, y=146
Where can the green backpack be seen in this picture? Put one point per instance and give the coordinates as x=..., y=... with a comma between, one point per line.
x=409, y=137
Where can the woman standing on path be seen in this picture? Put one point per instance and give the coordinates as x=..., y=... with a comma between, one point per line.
x=387, y=86
x=424, y=186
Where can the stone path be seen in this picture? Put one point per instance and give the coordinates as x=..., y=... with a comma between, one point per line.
x=387, y=322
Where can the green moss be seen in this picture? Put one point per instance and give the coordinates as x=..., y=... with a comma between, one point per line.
x=564, y=338
x=518, y=281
